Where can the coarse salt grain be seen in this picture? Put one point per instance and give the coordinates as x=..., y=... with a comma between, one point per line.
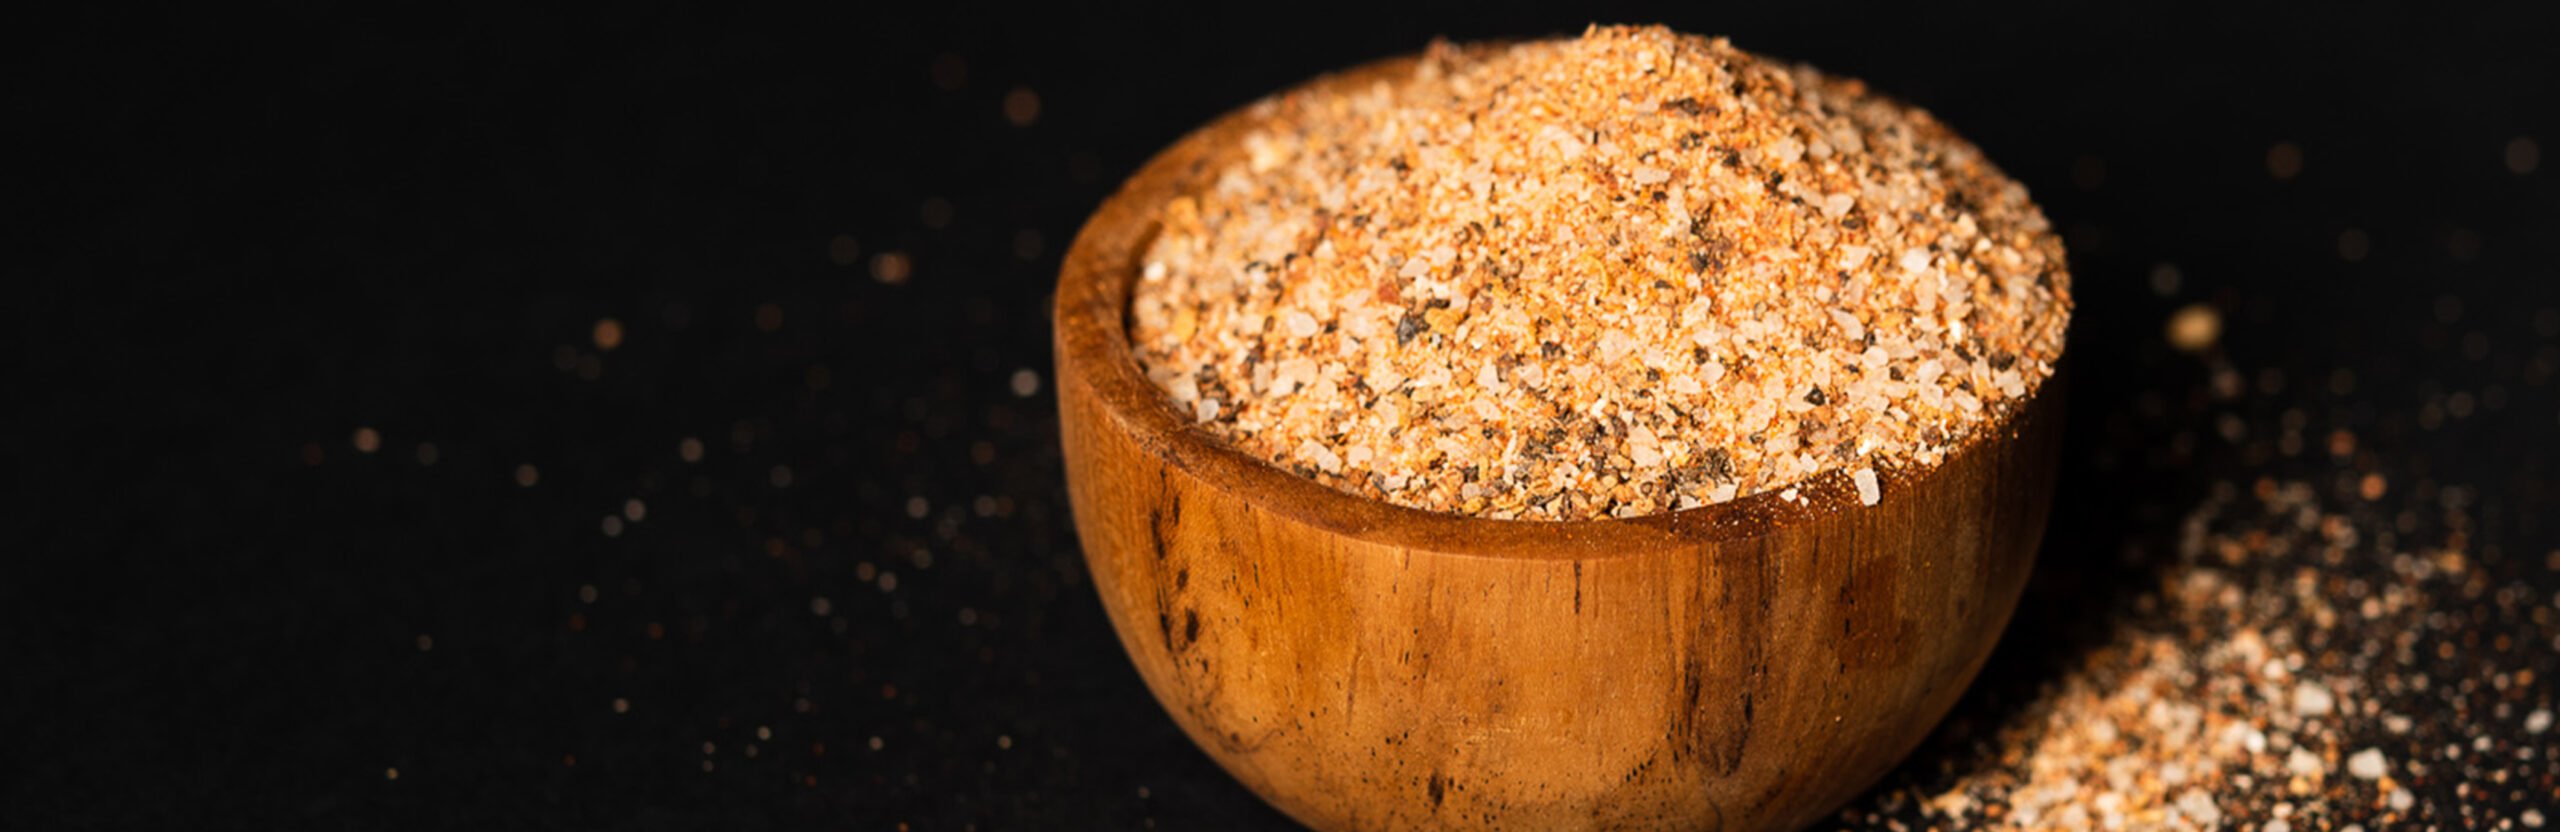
x=2304, y=763
x=2367, y=764
x=2198, y=804
x=2313, y=700
x=1300, y=323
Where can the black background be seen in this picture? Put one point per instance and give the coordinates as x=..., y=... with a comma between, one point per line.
x=251, y=235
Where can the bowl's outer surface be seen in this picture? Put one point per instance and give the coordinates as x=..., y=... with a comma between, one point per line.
x=1742, y=666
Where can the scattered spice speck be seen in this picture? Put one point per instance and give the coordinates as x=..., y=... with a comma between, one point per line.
x=2195, y=328
x=607, y=334
x=1021, y=106
x=891, y=267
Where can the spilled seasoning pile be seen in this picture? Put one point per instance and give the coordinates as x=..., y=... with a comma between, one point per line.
x=2323, y=648
x=2308, y=661
x=1610, y=275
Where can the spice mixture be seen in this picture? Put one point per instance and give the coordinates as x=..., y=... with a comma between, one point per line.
x=1611, y=275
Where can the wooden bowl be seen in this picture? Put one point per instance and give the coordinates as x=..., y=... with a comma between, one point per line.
x=1362, y=665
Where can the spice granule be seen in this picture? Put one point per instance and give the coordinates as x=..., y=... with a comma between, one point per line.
x=1611, y=275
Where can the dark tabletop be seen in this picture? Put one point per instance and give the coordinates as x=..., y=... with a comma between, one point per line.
x=336, y=504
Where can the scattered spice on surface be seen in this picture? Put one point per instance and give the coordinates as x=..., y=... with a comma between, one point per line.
x=1612, y=275
x=2311, y=659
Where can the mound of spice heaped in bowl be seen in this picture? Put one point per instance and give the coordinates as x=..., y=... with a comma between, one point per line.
x=1608, y=276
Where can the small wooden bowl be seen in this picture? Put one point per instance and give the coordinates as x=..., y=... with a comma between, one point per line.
x=1361, y=665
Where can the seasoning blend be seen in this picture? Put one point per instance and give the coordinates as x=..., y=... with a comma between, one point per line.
x=1612, y=275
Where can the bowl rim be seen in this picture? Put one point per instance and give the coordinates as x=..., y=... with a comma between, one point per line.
x=1097, y=279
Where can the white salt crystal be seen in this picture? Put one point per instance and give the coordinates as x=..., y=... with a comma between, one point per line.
x=2197, y=804
x=2368, y=764
x=1563, y=140
x=2303, y=762
x=1838, y=205
x=1360, y=324
x=1300, y=324
x=1849, y=325
x=1322, y=457
x=1615, y=345
x=1183, y=388
x=2010, y=383
x=2313, y=700
x=1786, y=150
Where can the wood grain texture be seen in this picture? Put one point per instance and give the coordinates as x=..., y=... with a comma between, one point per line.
x=1360, y=665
